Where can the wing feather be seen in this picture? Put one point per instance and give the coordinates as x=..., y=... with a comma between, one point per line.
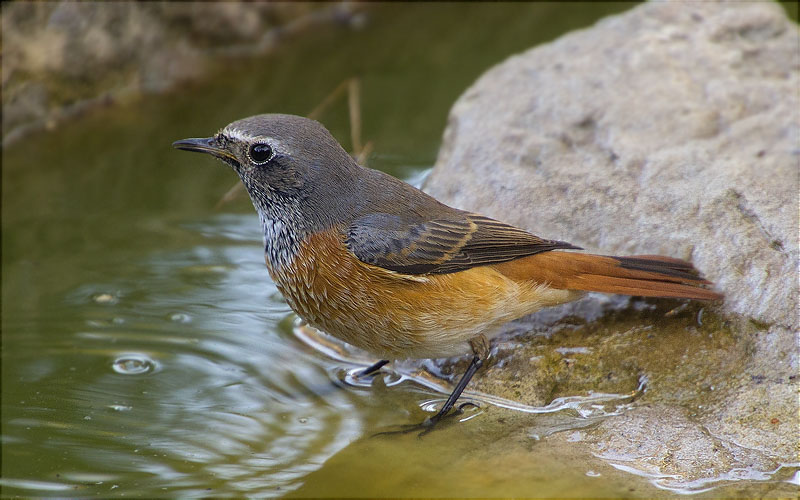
x=458, y=242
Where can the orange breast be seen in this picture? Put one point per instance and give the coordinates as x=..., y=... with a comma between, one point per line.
x=395, y=315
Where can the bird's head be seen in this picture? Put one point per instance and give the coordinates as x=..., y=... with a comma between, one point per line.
x=286, y=162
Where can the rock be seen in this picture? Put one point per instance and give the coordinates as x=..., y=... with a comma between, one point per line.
x=673, y=129
x=683, y=449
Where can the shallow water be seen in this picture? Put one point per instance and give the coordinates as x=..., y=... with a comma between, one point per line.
x=145, y=351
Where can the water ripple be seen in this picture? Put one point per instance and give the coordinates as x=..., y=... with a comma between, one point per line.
x=134, y=364
x=181, y=382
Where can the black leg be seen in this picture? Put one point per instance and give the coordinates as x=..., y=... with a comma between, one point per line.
x=480, y=346
x=372, y=369
x=473, y=367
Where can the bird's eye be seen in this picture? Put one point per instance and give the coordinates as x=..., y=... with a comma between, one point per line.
x=260, y=153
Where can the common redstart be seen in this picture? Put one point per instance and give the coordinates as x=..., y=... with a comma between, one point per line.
x=385, y=267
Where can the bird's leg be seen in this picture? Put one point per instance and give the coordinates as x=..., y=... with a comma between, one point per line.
x=480, y=348
x=372, y=369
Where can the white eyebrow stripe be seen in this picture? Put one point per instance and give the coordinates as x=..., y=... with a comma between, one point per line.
x=237, y=134
x=242, y=136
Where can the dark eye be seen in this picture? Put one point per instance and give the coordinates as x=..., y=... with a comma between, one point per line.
x=260, y=153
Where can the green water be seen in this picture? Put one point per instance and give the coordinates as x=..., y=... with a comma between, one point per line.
x=145, y=351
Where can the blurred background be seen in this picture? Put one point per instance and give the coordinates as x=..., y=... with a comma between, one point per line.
x=144, y=350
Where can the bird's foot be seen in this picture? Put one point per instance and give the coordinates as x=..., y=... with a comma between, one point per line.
x=429, y=423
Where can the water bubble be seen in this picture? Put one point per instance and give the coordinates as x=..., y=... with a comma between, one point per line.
x=180, y=317
x=104, y=298
x=134, y=364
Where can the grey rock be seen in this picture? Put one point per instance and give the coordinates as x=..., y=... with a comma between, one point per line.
x=685, y=458
x=671, y=129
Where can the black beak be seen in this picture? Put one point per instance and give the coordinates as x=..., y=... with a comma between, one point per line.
x=207, y=145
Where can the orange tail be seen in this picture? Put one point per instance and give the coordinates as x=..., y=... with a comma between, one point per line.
x=644, y=275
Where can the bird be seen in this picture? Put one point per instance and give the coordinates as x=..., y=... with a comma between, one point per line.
x=381, y=265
